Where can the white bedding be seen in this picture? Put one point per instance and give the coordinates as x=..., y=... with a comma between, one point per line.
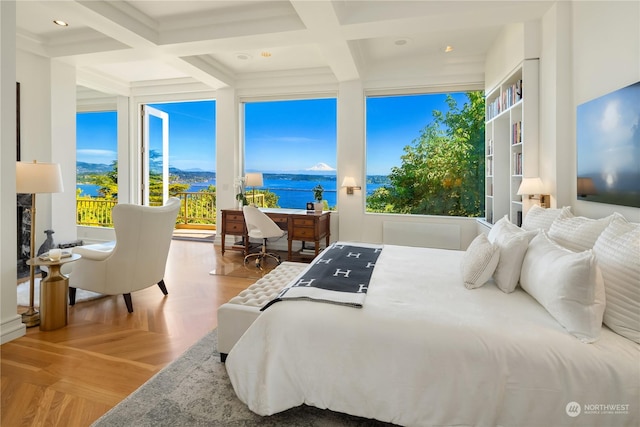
x=426, y=351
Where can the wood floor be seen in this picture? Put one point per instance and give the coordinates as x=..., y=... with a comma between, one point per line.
x=71, y=376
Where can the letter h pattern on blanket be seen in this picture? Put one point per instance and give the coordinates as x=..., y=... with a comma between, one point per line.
x=340, y=275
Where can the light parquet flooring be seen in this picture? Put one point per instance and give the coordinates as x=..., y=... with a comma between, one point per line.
x=71, y=376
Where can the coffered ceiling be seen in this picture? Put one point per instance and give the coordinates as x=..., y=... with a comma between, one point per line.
x=212, y=44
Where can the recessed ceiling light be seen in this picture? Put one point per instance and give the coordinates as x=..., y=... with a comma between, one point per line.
x=448, y=49
x=402, y=41
x=60, y=22
x=243, y=56
x=265, y=54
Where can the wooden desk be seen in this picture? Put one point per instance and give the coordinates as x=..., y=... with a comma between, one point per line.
x=299, y=225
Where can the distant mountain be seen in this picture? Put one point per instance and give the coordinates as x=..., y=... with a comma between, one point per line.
x=92, y=168
x=191, y=176
x=321, y=167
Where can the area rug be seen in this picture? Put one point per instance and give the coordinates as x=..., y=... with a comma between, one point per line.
x=194, y=390
x=23, y=294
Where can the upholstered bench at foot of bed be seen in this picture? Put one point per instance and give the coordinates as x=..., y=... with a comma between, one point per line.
x=239, y=313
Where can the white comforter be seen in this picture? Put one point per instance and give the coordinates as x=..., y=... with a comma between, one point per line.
x=426, y=351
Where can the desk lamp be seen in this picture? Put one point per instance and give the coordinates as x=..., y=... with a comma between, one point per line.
x=254, y=180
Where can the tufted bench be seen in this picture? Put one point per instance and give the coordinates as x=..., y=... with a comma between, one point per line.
x=239, y=313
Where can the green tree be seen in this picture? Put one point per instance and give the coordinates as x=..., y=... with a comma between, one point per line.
x=442, y=171
x=108, y=182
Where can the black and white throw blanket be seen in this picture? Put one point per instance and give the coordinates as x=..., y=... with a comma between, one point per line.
x=340, y=275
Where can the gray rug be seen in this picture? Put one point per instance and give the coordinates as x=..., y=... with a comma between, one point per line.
x=194, y=390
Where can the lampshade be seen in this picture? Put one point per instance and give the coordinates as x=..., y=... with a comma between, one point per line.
x=38, y=178
x=586, y=187
x=531, y=186
x=349, y=181
x=254, y=179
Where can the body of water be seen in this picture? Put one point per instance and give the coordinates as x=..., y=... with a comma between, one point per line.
x=292, y=193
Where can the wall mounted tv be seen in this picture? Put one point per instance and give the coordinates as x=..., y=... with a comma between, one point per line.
x=608, y=144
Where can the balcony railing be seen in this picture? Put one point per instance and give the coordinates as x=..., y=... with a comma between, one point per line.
x=197, y=210
x=258, y=199
x=94, y=212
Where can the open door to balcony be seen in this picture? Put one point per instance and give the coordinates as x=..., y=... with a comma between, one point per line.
x=155, y=156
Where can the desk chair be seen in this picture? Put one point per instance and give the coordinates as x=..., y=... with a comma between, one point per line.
x=260, y=226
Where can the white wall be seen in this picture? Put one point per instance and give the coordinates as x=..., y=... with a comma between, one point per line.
x=34, y=74
x=62, y=102
x=605, y=57
x=586, y=49
x=11, y=325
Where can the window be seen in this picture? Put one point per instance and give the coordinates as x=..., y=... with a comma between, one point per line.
x=293, y=144
x=425, y=154
x=96, y=166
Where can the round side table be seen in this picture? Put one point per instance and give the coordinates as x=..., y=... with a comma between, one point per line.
x=54, y=293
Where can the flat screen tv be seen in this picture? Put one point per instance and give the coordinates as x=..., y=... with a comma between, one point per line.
x=608, y=144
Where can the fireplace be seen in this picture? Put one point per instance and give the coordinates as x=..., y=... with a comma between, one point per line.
x=24, y=234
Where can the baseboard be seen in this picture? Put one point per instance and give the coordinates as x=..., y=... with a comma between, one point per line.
x=12, y=329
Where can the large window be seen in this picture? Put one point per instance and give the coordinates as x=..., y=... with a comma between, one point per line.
x=96, y=166
x=293, y=144
x=425, y=154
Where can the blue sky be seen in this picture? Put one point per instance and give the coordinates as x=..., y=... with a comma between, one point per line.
x=394, y=122
x=280, y=136
x=290, y=135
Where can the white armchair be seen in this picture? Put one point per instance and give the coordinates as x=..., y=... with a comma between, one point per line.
x=135, y=261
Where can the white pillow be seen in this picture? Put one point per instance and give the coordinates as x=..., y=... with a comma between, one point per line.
x=577, y=232
x=479, y=262
x=503, y=226
x=567, y=284
x=513, y=243
x=540, y=218
x=618, y=253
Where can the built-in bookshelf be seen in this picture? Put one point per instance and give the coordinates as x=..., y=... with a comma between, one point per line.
x=511, y=140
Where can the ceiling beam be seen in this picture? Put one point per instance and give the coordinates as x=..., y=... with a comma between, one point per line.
x=320, y=19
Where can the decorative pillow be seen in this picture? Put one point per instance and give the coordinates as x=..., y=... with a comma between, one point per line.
x=540, y=218
x=513, y=243
x=567, y=284
x=577, y=232
x=503, y=226
x=479, y=262
x=618, y=253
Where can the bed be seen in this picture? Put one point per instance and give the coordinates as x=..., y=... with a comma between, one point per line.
x=426, y=350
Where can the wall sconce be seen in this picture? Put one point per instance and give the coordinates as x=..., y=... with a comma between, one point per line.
x=531, y=187
x=350, y=184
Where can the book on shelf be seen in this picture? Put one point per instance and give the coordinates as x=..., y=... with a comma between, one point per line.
x=516, y=133
x=493, y=108
x=490, y=147
x=489, y=167
x=517, y=163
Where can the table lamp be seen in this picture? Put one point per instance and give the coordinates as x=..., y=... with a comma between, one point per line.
x=34, y=178
x=254, y=180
